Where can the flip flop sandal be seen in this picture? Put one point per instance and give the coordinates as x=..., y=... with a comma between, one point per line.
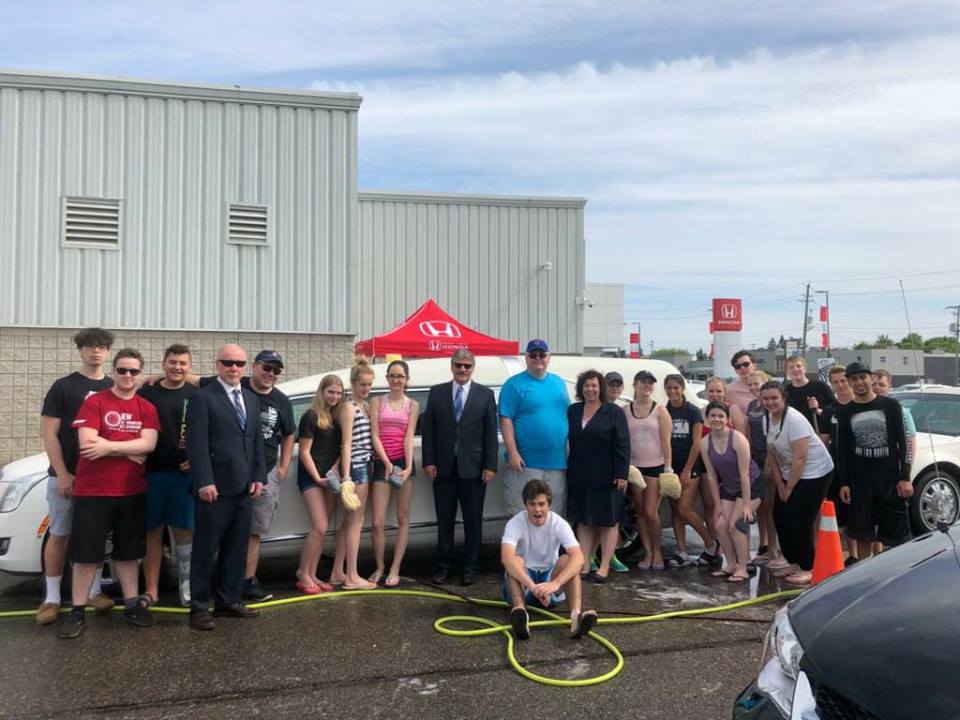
x=800, y=578
x=375, y=578
x=737, y=579
x=721, y=574
x=392, y=581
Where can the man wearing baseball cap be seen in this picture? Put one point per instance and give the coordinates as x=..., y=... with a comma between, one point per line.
x=533, y=419
x=874, y=464
x=278, y=430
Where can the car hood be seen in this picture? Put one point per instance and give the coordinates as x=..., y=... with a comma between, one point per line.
x=885, y=633
x=30, y=465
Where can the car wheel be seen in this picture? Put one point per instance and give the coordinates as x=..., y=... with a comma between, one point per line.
x=630, y=543
x=936, y=498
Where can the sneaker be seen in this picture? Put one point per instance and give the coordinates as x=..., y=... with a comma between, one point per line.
x=71, y=625
x=139, y=613
x=184, y=588
x=253, y=590
x=594, y=563
x=101, y=602
x=678, y=561
x=47, y=613
x=520, y=621
x=618, y=566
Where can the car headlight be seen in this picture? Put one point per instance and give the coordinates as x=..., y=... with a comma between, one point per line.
x=780, y=663
x=17, y=490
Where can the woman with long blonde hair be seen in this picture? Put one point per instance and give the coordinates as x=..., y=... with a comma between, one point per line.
x=319, y=439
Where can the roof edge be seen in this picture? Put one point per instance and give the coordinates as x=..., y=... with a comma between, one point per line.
x=37, y=80
x=469, y=199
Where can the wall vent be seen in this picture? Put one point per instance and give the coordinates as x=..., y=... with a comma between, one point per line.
x=248, y=224
x=91, y=222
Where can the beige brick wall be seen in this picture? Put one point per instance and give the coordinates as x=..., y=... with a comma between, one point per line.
x=31, y=359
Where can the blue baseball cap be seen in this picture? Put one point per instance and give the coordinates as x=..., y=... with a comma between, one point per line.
x=537, y=344
x=269, y=356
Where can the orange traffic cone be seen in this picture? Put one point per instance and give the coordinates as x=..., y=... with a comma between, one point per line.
x=829, y=558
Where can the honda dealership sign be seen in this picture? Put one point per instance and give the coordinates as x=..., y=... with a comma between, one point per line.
x=725, y=325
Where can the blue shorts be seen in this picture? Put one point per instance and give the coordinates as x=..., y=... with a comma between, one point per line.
x=169, y=501
x=360, y=474
x=381, y=475
x=538, y=576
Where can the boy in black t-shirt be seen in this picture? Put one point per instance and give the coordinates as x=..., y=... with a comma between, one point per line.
x=874, y=465
x=169, y=492
x=807, y=396
x=60, y=407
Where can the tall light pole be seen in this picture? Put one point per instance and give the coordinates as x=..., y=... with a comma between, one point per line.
x=826, y=302
x=956, y=335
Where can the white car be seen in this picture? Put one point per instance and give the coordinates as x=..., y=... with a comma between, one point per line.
x=23, y=506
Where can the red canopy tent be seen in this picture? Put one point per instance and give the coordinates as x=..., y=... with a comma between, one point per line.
x=431, y=332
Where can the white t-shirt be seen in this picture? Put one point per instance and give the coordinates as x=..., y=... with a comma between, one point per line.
x=539, y=545
x=793, y=427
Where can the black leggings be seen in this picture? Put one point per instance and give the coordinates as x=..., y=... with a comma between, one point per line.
x=794, y=519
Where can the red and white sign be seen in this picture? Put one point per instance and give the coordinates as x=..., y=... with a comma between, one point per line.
x=824, y=327
x=727, y=315
x=634, y=345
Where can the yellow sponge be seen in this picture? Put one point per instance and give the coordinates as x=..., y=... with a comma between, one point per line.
x=635, y=478
x=670, y=485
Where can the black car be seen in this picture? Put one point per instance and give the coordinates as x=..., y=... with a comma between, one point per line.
x=879, y=641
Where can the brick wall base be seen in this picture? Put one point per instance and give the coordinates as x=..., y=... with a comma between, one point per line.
x=31, y=359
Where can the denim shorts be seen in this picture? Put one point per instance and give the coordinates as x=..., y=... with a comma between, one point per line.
x=360, y=473
x=380, y=473
x=538, y=576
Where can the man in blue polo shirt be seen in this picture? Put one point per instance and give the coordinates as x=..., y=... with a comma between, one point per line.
x=533, y=419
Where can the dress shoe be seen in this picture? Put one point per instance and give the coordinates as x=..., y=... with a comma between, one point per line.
x=467, y=578
x=441, y=576
x=202, y=620
x=237, y=610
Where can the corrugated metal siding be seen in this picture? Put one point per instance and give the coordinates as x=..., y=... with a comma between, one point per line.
x=175, y=162
x=480, y=258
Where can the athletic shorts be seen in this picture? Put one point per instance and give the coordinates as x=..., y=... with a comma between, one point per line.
x=514, y=481
x=59, y=509
x=538, y=576
x=756, y=492
x=380, y=474
x=95, y=517
x=265, y=506
x=877, y=512
x=169, y=499
x=651, y=472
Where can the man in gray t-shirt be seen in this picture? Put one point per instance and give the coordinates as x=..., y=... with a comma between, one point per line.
x=533, y=568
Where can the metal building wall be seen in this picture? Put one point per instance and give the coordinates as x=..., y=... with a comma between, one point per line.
x=480, y=257
x=176, y=155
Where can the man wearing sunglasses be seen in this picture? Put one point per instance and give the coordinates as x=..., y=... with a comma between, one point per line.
x=225, y=450
x=116, y=430
x=278, y=428
x=737, y=391
x=533, y=419
x=459, y=430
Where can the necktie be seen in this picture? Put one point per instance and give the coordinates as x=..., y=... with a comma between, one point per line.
x=458, y=403
x=240, y=410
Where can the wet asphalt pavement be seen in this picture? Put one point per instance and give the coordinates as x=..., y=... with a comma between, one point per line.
x=379, y=657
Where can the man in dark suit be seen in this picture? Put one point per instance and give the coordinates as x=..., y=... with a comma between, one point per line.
x=225, y=450
x=459, y=430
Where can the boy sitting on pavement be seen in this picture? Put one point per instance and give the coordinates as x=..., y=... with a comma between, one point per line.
x=533, y=569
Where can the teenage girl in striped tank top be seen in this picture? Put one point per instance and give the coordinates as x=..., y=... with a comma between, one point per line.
x=355, y=456
x=393, y=419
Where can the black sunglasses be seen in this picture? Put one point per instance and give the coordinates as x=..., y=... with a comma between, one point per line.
x=463, y=366
x=232, y=363
x=739, y=365
x=536, y=355
x=272, y=369
x=128, y=371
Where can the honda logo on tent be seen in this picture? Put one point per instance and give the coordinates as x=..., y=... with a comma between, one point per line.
x=437, y=328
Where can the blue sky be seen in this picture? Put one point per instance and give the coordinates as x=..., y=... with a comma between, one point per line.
x=727, y=149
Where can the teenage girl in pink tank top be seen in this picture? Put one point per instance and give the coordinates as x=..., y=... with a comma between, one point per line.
x=393, y=420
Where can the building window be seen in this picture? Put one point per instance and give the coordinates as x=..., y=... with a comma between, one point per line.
x=90, y=222
x=883, y=359
x=248, y=224
x=906, y=360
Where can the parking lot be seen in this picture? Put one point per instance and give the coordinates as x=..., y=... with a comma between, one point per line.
x=380, y=657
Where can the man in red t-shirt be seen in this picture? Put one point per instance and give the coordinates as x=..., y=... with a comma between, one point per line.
x=116, y=429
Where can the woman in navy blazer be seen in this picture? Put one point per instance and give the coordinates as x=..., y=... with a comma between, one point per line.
x=596, y=470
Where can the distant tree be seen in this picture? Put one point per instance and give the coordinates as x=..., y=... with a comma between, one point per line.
x=913, y=341
x=883, y=342
x=669, y=352
x=772, y=344
x=862, y=345
x=701, y=355
x=941, y=343
x=782, y=342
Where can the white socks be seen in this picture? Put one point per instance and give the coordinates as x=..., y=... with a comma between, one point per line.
x=53, y=589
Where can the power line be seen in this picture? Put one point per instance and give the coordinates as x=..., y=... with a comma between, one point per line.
x=889, y=292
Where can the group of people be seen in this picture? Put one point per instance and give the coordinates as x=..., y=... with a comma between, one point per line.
x=131, y=455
